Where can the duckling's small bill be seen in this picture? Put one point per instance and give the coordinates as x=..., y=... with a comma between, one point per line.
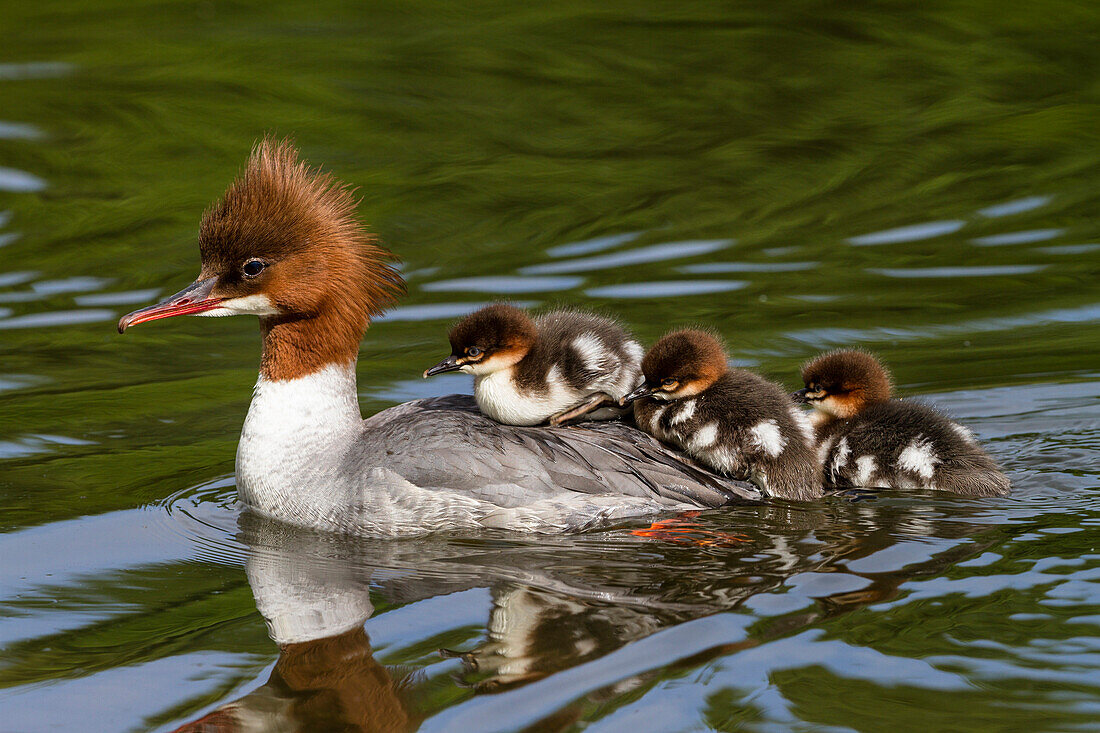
x=643, y=390
x=450, y=364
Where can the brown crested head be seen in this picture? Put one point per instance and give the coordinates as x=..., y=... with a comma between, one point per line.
x=495, y=337
x=843, y=382
x=683, y=363
x=283, y=243
x=288, y=233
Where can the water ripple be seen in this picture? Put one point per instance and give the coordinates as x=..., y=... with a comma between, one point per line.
x=912, y=233
x=1018, y=206
x=707, y=268
x=17, y=277
x=13, y=382
x=503, y=284
x=823, y=337
x=653, y=253
x=35, y=70
x=18, y=181
x=416, y=389
x=57, y=318
x=1069, y=249
x=941, y=272
x=666, y=288
x=1034, y=235
x=588, y=246
x=122, y=297
x=78, y=284
x=439, y=311
x=18, y=131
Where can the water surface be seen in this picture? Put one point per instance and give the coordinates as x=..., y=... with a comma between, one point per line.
x=918, y=180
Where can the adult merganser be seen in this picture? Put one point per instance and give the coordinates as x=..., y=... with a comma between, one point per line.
x=283, y=244
x=867, y=439
x=558, y=367
x=732, y=420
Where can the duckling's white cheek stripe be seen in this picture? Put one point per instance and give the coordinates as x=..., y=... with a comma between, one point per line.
x=766, y=436
x=919, y=458
x=684, y=414
x=865, y=468
x=254, y=305
x=704, y=437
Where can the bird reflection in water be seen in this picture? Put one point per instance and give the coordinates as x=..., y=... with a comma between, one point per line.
x=557, y=602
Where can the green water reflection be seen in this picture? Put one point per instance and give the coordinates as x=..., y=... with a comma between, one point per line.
x=918, y=178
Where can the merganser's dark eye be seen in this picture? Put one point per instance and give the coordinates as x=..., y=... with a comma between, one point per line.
x=473, y=351
x=668, y=382
x=252, y=268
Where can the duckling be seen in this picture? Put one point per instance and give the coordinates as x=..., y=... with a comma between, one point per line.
x=557, y=367
x=866, y=438
x=734, y=421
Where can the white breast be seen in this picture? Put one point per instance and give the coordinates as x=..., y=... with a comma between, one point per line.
x=498, y=397
x=293, y=437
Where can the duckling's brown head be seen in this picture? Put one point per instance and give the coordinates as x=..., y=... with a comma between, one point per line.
x=843, y=382
x=283, y=243
x=495, y=337
x=681, y=364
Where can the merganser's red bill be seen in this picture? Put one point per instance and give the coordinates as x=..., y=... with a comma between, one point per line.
x=195, y=298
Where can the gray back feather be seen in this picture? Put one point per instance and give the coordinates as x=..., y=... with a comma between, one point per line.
x=446, y=442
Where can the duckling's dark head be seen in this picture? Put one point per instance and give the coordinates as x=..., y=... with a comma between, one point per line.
x=843, y=382
x=496, y=337
x=681, y=364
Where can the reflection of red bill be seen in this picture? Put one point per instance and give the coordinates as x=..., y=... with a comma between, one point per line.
x=684, y=532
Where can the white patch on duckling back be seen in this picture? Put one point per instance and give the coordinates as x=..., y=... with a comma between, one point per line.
x=840, y=459
x=919, y=458
x=655, y=421
x=824, y=447
x=590, y=351
x=865, y=469
x=963, y=432
x=703, y=438
x=723, y=458
x=766, y=437
x=802, y=422
x=685, y=413
x=634, y=351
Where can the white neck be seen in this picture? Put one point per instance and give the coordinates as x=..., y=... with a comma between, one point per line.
x=294, y=436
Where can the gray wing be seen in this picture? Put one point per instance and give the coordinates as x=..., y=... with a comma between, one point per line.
x=445, y=442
